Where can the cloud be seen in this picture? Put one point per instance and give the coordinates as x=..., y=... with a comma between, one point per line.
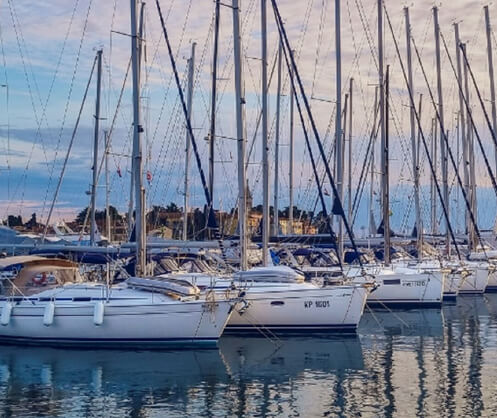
x=43, y=96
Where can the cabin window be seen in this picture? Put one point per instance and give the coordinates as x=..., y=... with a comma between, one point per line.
x=277, y=303
x=391, y=281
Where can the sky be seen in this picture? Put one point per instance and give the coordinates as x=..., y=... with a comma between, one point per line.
x=48, y=49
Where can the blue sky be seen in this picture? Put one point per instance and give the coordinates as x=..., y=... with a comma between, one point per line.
x=48, y=48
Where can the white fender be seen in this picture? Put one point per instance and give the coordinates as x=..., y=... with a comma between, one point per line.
x=98, y=313
x=49, y=314
x=6, y=313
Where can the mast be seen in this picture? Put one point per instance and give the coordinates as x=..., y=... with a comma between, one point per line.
x=240, y=134
x=265, y=158
x=212, y=133
x=415, y=167
x=434, y=229
x=93, y=223
x=491, y=74
x=132, y=182
x=344, y=132
x=384, y=162
x=372, y=226
x=338, y=123
x=189, y=99
x=458, y=159
x=137, y=149
x=462, y=124
x=292, y=105
x=277, y=146
x=416, y=174
x=349, y=185
x=386, y=170
x=471, y=158
x=443, y=150
x=107, y=190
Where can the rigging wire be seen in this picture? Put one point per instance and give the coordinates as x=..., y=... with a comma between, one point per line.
x=7, y=103
x=71, y=142
x=430, y=161
x=57, y=147
x=338, y=208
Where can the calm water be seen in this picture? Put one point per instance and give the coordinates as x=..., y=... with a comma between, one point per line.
x=406, y=363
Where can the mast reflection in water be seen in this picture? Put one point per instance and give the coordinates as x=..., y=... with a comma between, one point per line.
x=403, y=363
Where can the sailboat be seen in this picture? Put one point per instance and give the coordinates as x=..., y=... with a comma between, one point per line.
x=276, y=297
x=139, y=312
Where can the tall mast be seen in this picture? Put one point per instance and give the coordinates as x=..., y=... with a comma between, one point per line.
x=471, y=157
x=349, y=185
x=265, y=158
x=189, y=99
x=386, y=170
x=415, y=168
x=137, y=148
x=277, y=146
x=434, y=229
x=132, y=182
x=240, y=134
x=212, y=133
x=491, y=74
x=292, y=92
x=372, y=226
x=93, y=223
x=443, y=150
x=338, y=122
x=416, y=174
x=107, y=190
x=384, y=162
x=462, y=124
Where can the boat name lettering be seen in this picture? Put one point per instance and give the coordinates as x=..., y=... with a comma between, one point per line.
x=317, y=304
x=414, y=284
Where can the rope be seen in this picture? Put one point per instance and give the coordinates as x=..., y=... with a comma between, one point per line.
x=338, y=202
x=212, y=220
x=69, y=150
x=425, y=146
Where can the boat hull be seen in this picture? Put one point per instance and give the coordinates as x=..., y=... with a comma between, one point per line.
x=476, y=281
x=492, y=281
x=407, y=290
x=453, y=282
x=325, y=309
x=154, y=325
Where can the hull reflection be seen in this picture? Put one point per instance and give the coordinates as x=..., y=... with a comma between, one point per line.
x=260, y=357
x=419, y=322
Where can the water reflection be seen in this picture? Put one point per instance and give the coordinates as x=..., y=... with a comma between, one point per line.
x=419, y=362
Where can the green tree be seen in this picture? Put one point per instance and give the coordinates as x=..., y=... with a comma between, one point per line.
x=32, y=223
x=172, y=208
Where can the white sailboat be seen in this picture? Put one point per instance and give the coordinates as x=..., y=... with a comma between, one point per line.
x=137, y=313
x=402, y=286
x=82, y=315
x=277, y=298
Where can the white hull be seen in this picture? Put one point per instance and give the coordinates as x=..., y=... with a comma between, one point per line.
x=404, y=287
x=287, y=306
x=492, y=281
x=476, y=281
x=302, y=308
x=452, y=285
x=130, y=318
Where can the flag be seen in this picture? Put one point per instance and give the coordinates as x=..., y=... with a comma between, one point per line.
x=149, y=176
x=326, y=192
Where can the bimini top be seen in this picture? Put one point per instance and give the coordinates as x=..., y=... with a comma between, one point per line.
x=35, y=260
x=270, y=274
